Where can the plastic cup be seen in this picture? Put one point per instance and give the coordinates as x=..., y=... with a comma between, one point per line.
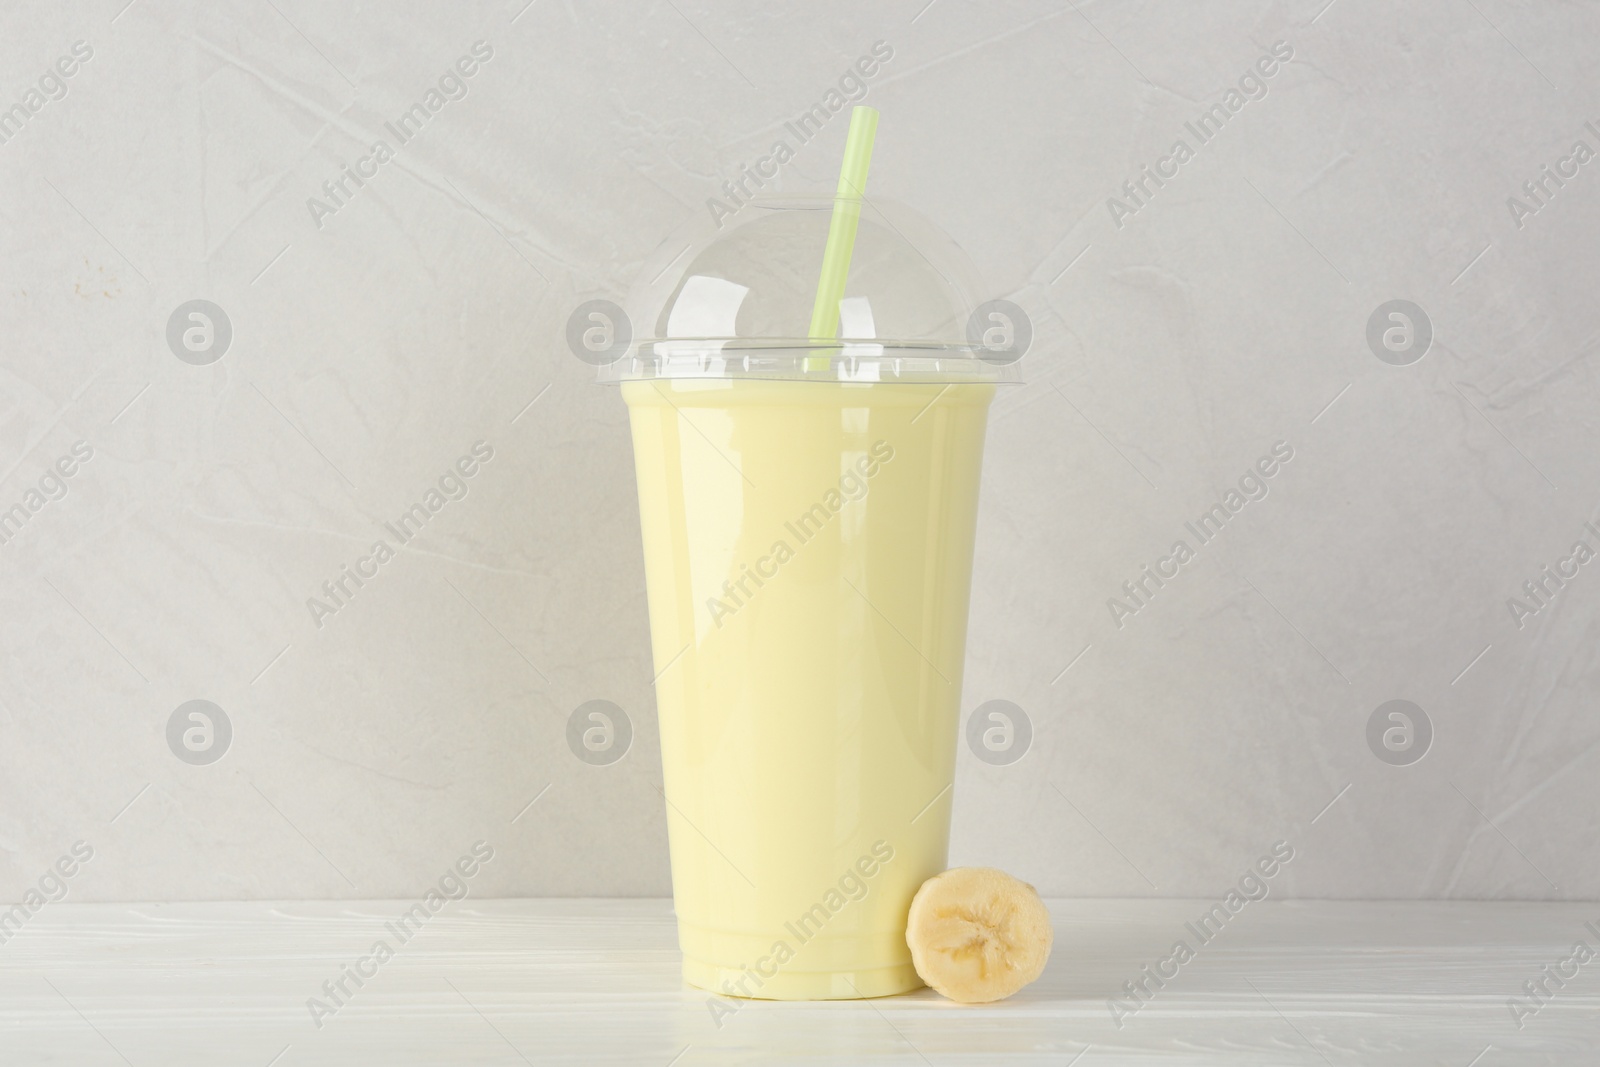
x=808, y=516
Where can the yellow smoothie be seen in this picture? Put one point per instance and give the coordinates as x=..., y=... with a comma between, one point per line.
x=808, y=557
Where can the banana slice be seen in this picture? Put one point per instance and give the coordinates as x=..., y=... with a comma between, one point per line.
x=977, y=934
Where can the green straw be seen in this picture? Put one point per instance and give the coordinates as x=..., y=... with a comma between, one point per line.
x=842, y=229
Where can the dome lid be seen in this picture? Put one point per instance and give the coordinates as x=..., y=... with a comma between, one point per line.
x=732, y=297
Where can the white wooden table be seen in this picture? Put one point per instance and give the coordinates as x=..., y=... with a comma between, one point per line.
x=596, y=982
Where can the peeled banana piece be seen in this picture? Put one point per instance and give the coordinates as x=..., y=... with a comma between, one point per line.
x=977, y=934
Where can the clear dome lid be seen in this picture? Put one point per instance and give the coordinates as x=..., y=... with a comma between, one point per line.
x=732, y=297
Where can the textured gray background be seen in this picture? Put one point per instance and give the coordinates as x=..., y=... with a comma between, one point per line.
x=425, y=315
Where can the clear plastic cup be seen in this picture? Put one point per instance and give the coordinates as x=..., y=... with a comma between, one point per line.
x=808, y=513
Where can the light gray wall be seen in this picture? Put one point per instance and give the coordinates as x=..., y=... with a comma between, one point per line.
x=367, y=355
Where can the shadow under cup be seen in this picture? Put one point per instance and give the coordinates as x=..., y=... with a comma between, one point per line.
x=808, y=557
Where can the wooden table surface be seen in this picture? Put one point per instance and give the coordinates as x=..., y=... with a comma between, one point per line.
x=596, y=982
